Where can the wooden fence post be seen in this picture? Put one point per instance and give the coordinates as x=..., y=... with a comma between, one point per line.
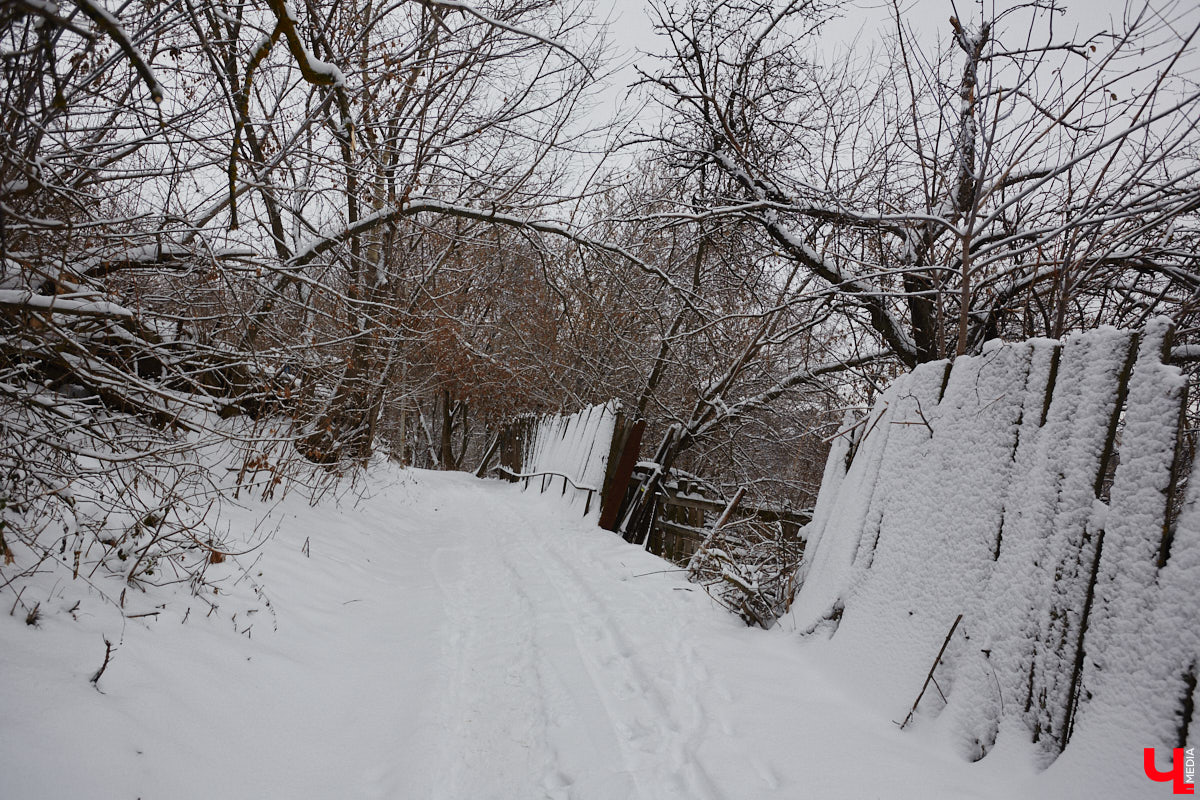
x=613, y=493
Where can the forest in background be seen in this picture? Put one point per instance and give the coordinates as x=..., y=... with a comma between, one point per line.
x=310, y=232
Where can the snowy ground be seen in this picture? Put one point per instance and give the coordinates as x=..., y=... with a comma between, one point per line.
x=447, y=638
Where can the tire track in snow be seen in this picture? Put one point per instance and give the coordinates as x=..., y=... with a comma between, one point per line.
x=585, y=760
x=496, y=727
x=520, y=722
x=552, y=690
x=669, y=735
x=680, y=722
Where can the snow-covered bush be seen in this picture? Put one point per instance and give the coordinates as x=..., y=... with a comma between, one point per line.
x=99, y=499
x=749, y=566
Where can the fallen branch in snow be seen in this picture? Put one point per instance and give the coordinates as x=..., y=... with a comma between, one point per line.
x=658, y=572
x=107, y=657
x=724, y=518
x=929, y=677
x=749, y=567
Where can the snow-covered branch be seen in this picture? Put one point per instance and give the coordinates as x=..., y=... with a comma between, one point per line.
x=111, y=25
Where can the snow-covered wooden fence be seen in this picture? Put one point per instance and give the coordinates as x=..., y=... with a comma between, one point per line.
x=685, y=515
x=577, y=453
x=1031, y=489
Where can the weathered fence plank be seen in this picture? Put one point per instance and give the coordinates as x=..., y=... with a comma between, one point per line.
x=624, y=456
x=576, y=448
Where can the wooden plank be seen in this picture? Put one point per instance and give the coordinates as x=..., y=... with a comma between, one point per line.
x=683, y=531
x=707, y=541
x=798, y=518
x=621, y=426
x=487, y=457
x=610, y=504
x=691, y=501
x=639, y=517
x=729, y=509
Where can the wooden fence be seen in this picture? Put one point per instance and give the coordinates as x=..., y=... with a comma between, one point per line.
x=682, y=513
x=745, y=556
x=684, y=518
x=1026, y=500
x=522, y=452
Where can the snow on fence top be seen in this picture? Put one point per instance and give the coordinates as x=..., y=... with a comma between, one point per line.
x=986, y=488
x=576, y=447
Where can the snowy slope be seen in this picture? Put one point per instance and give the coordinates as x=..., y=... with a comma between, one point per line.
x=447, y=638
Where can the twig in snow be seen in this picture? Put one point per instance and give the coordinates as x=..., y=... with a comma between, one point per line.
x=107, y=656
x=920, y=413
x=988, y=655
x=929, y=677
x=13, y=610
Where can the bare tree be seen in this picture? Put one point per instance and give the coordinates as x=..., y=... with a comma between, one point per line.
x=1017, y=184
x=881, y=215
x=211, y=210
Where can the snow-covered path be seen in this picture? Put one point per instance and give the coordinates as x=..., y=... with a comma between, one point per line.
x=554, y=690
x=447, y=638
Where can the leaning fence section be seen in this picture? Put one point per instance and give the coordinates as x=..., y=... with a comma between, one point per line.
x=687, y=514
x=744, y=555
x=575, y=455
x=1007, y=529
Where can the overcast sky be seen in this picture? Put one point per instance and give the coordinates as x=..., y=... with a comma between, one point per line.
x=863, y=19
x=862, y=22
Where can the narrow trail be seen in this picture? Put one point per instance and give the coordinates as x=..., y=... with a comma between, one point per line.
x=541, y=655
x=581, y=667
